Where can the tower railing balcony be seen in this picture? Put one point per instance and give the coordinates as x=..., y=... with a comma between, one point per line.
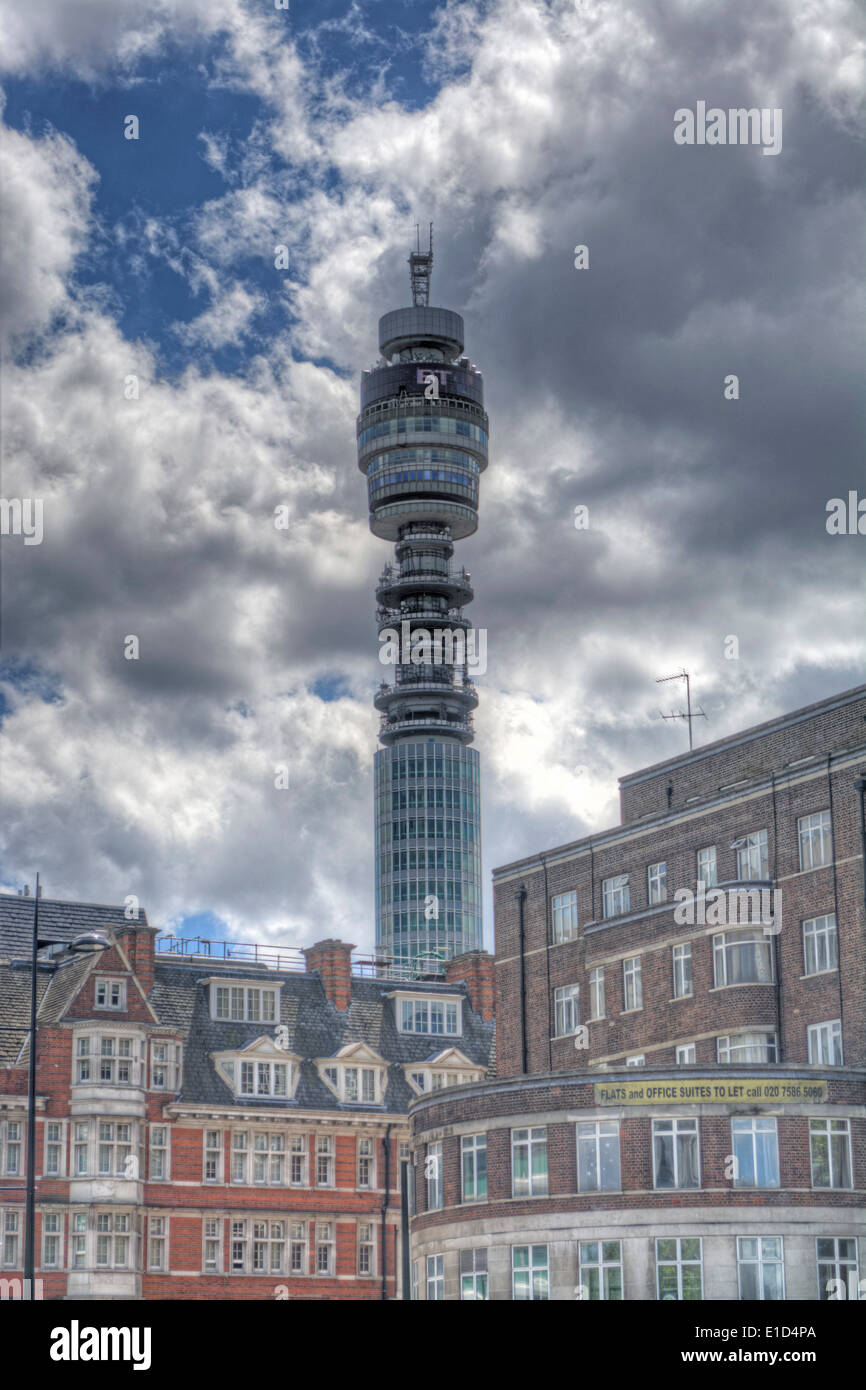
x=450, y=585
x=462, y=728
x=388, y=695
x=423, y=617
x=392, y=575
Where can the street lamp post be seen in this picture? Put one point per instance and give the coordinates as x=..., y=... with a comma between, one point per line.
x=84, y=944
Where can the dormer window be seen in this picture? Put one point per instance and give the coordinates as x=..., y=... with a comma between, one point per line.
x=448, y=1068
x=110, y=993
x=234, y=1002
x=356, y=1076
x=260, y=1071
x=263, y=1079
x=439, y=1017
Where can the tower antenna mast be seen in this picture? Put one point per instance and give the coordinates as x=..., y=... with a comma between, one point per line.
x=421, y=268
x=688, y=714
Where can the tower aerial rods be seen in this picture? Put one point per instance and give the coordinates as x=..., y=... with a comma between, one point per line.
x=422, y=445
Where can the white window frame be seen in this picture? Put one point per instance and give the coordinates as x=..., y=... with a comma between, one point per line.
x=419, y=1013
x=242, y=1001
x=213, y=1153
x=602, y=1263
x=678, y=1127
x=838, y=1263
x=745, y=1132
x=533, y=1139
x=657, y=883
x=707, y=866
x=366, y=1160
x=632, y=984
x=155, y=1148
x=11, y=1235
x=325, y=1248
x=686, y=1054
x=366, y=1246
x=566, y=1010
x=825, y=1037
x=815, y=833
x=12, y=1148
x=759, y=1261
x=829, y=1129
x=59, y=1143
x=753, y=857
x=433, y=1176
x=256, y=1155
x=264, y=1077
x=471, y=1148
x=56, y=1234
x=596, y=993
x=112, y=1227
x=681, y=960
x=820, y=944
x=723, y=942
x=541, y=1269
x=615, y=896
x=108, y=1058
x=589, y=1135
x=679, y=1261
x=638, y=1060
x=157, y=1240
x=212, y=1236
x=165, y=1064
x=239, y=1245
x=299, y=1160
x=325, y=1160
x=109, y=993
x=474, y=1278
x=299, y=1247
x=269, y=1245
x=122, y=1140
x=350, y=1082
x=729, y=1045
x=563, y=916
x=435, y=1290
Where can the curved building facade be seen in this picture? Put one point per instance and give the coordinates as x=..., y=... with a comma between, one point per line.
x=680, y=1103
x=422, y=446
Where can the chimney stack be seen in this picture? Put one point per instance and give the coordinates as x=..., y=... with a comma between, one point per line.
x=476, y=969
x=333, y=960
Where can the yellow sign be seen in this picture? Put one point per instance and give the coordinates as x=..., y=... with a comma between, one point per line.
x=706, y=1092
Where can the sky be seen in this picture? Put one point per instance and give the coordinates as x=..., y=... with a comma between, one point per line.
x=166, y=387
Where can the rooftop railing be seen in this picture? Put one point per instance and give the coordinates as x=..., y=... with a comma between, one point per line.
x=291, y=960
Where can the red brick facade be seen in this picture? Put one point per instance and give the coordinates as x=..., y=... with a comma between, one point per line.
x=688, y=1048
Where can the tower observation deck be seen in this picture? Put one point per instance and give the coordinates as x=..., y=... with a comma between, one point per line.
x=422, y=446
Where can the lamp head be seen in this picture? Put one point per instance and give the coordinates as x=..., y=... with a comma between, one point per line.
x=88, y=943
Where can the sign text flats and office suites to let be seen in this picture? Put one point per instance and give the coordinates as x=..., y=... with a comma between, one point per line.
x=706, y=1091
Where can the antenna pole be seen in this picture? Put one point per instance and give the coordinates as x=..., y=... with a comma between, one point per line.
x=679, y=714
x=421, y=269
x=689, y=707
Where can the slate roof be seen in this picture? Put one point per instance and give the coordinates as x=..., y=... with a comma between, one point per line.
x=316, y=1029
x=180, y=1000
x=57, y=919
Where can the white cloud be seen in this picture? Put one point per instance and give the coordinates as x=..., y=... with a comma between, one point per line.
x=227, y=320
x=47, y=192
x=159, y=511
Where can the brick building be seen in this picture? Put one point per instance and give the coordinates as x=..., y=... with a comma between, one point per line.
x=680, y=1103
x=214, y=1120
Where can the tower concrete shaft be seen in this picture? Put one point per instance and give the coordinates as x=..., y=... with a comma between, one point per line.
x=422, y=446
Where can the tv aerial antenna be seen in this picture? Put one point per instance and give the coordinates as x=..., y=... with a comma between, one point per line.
x=421, y=268
x=688, y=713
